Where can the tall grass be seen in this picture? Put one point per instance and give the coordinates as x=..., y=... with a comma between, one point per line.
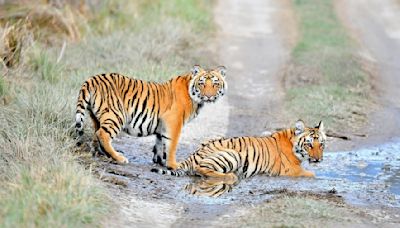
x=42, y=185
x=325, y=80
x=42, y=182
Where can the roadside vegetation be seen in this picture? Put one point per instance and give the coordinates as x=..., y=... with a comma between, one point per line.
x=300, y=211
x=325, y=80
x=47, y=50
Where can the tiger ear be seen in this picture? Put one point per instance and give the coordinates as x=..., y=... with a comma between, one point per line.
x=321, y=126
x=222, y=70
x=299, y=127
x=196, y=69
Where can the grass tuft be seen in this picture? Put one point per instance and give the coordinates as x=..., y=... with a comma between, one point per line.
x=45, y=66
x=42, y=183
x=292, y=211
x=15, y=39
x=2, y=86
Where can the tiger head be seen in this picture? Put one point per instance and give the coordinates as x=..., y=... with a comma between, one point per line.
x=309, y=142
x=207, y=85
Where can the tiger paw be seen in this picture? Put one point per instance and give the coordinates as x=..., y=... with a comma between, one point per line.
x=172, y=166
x=121, y=159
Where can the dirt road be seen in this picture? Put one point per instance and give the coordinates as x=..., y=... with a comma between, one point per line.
x=250, y=43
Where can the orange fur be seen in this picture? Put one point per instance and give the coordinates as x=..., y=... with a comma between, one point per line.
x=276, y=155
x=118, y=103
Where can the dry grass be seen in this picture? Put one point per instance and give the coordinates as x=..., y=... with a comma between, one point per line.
x=43, y=184
x=47, y=21
x=15, y=39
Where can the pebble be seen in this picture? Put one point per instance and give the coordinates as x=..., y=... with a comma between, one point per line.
x=362, y=164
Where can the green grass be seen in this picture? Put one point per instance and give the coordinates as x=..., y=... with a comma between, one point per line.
x=325, y=80
x=2, y=86
x=127, y=15
x=292, y=211
x=42, y=183
x=196, y=13
x=46, y=66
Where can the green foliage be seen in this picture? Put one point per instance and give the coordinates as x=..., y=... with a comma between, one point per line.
x=196, y=13
x=292, y=211
x=45, y=66
x=2, y=86
x=42, y=185
x=329, y=82
x=113, y=15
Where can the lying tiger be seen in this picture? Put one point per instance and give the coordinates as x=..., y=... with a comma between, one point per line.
x=141, y=108
x=277, y=155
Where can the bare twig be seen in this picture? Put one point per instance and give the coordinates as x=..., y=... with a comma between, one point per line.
x=337, y=135
x=61, y=52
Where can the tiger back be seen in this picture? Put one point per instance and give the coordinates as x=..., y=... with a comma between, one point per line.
x=118, y=103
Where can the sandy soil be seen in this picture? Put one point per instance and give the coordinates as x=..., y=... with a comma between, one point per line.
x=252, y=46
x=250, y=42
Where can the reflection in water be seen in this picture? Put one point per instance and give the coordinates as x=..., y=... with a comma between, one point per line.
x=366, y=176
x=378, y=166
x=210, y=187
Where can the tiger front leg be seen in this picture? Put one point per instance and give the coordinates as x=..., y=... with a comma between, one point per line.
x=213, y=174
x=173, y=130
x=300, y=172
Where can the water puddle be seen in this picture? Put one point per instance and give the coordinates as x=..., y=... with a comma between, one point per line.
x=365, y=176
x=368, y=176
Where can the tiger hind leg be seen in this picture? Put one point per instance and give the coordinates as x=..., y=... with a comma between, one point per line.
x=212, y=174
x=220, y=165
x=159, y=151
x=105, y=139
x=95, y=148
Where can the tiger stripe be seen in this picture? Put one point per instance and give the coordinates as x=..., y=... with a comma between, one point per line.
x=141, y=108
x=244, y=157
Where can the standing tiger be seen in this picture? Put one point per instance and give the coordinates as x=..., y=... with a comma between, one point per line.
x=141, y=108
x=277, y=155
